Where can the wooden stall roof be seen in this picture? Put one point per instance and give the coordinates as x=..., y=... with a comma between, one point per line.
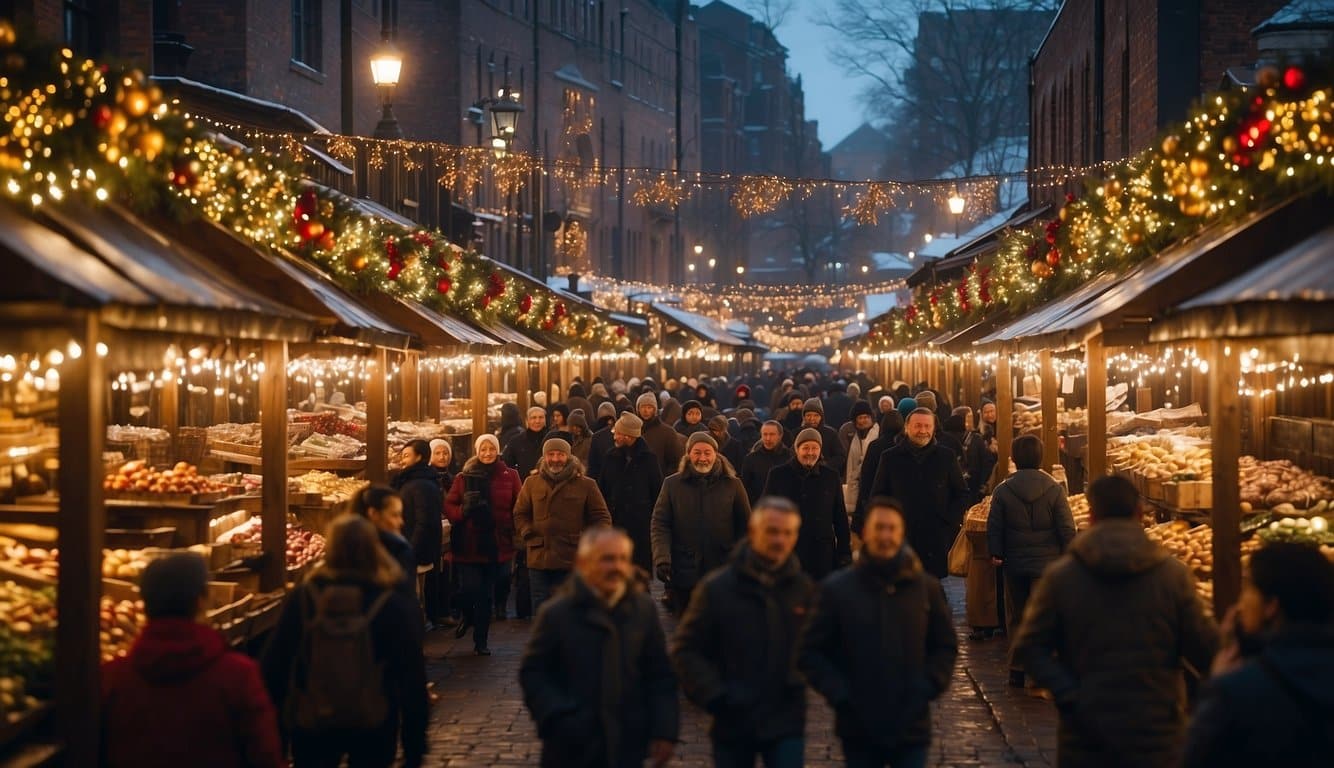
x=433, y=328
x=1036, y=320
x=293, y=281
x=1291, y=294
x=1181, y=271
x=76, y=255
x=705, y=328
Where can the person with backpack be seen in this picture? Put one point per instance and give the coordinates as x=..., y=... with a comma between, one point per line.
x=480, y=505
x=206, y=703
x=1028, y=527
x=344, y=666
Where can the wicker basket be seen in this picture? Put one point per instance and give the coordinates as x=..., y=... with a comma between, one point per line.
x=191, y=444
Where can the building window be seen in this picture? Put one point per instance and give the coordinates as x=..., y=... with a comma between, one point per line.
x=81, y=25
x=307, y=33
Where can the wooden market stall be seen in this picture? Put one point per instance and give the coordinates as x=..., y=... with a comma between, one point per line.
x=100, y=291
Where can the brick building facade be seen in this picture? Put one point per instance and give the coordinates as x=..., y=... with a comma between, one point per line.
x=605, y=96
x=1110, y=74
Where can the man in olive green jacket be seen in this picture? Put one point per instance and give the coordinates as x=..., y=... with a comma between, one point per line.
x=556, y=505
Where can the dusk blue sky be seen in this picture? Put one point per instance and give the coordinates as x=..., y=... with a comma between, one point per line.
x=832, y=96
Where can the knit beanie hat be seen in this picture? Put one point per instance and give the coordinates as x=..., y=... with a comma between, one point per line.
x=629, y=425
x=807, y=435
x=648, y=398
x=926, y=399
x=744, y=415
x=578, y=419
x=487, y=439
x=606, y=410
x=813, y=405
x=719, y=421
x=536, y=409
x=906, y=406
x=861, y=407
x=701, y=437
x=556, y=444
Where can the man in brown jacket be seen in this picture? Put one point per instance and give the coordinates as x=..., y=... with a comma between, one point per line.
x=556, y=505
x=1109, y=630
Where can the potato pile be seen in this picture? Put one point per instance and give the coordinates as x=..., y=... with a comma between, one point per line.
x=121, y=621
x=43, y=561
x=1194, y=546
x=333, y=488
x=1274, y=484
x=1159, y=457
x=1079, y=507
x=136, y=476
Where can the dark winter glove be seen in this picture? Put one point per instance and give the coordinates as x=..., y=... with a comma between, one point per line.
x=663, y=572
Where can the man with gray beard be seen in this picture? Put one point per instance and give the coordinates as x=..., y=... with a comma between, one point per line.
x=702, y=512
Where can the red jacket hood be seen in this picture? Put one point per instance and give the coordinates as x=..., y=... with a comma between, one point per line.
x=172, y=650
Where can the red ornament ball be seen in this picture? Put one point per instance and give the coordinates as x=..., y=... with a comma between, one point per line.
x=326, y=241
x=560, y=309
x=391, y=248
x=102, y=116
x=547, y=325
x=395, y=267
x=486, y=302
x=443, y=285
x=310, y=230
x=620, y=331
x=526, y=304
x=1053, y=258
x=1294, y=78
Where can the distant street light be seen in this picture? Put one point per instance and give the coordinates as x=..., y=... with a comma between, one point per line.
x=505, y=110
x=698, y=249
x=713, y=263
x=386, y=66
x=740, y=270
x=956, y=207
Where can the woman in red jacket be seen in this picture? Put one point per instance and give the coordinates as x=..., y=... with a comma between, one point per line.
x=206, y=703
x=480, y=507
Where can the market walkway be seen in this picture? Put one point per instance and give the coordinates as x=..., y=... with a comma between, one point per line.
x=480, y=719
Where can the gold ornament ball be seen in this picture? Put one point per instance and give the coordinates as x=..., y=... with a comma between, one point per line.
x=1199, y=167
x=1229, y=144
x=1041, y=269
x=1171, y=144
x=1267, y=77
x=150, y=143
x=1064, y=213
x=136, y=102
x=7, y=34
x=357, y=261
x=1114, y=188
x=1193, y=207
x=1181, y=189
x=118, y=123
x=1135, y=237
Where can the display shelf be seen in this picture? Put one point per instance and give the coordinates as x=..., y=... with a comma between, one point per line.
x=294, y=465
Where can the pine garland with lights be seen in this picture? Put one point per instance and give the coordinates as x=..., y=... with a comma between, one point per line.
x=82, y=128
x=1237, y=151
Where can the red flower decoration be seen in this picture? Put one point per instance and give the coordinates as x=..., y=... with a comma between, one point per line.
x=620, y=331
x=526, y=304
x=560, y=309
x=423, y=237
x=391, y=248
x=395, y=267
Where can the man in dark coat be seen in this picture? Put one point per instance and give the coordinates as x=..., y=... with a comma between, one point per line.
x=925, y=477
x=881, y=646
x=631, y=485
x=1271, y=699
x=735, y=651
x=602, y=439
x=768, y=453
x=727, y=445
x=701, y=514
x=524, y=451
x=837, y=407
x=665, y=443
x=815, y=488
x=831, y=450
x=790, y=417
x=595, y=676
x=418, y=483
x=1107, y=630
x=891, y=432
x=1028, y=527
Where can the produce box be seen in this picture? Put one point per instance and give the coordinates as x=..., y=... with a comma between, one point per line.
x=1189, y=494
x=135, y=538
x=240, y=449
x=1153, y=488
x=246, y=580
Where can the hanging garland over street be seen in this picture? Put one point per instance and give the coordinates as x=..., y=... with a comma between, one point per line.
x=77, y=127
x=1239, y=150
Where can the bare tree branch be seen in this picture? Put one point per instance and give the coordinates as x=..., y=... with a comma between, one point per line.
x=770, y=13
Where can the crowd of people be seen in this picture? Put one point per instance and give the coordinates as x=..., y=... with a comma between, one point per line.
x=800, y=528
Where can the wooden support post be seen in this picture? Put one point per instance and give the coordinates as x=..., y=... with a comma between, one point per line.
x=408, y=375
x=951, y=392
x=565, y=375
x=273, y=454
x=1095, y=360
x=544, y=376
x=1004, y=415
x=81, y=528
x=221, y=408
x=1225, y=427
x=1051, y=448
x=170, y=405
x=477, y=389
x=972, y=386
x=377, y=418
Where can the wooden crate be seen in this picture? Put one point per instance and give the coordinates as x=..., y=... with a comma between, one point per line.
x=1290, y=439
x=1153, y=488
x=1189, y=494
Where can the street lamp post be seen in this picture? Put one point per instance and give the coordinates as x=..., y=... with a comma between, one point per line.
x=386, y=66
x=505, y=111
x=956, y=207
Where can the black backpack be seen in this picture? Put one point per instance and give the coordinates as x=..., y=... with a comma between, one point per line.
x=336, y=681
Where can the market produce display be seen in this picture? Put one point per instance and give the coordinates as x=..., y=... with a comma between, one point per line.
x=303, y=546
x=1283, y=487
x=330, y=423
x=27, y=629
x=1079, y=509
x=1163, y=456
x=332, y=446
x=120, y=622
x=333, y=488
x=138, y=477
x=45, y=562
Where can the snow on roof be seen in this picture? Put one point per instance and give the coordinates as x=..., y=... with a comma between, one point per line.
x=884, y=260
x=704, y=327
x=943, y=244
x=1297, y=14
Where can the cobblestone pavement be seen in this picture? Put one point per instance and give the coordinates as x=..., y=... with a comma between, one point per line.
x=980, y=721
